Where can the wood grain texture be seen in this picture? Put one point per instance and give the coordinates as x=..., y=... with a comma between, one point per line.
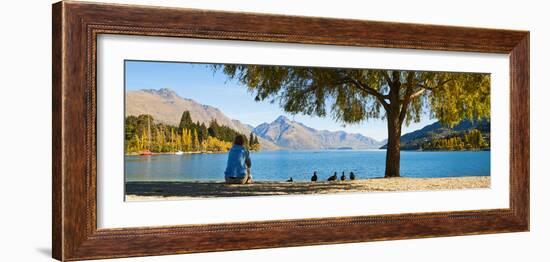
x=57, y=195
x=519, y=129
x=76, y=26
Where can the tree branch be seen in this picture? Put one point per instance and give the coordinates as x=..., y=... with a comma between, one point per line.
x=440, y=84
x=310, y=88
x=387, y=77
x=405, y=104
x=364, y=87
x=408, y=97
x=417, y=93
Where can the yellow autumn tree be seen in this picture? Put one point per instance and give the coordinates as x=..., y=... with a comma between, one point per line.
x=215, y=145
x=144, y=140
x=195, y=141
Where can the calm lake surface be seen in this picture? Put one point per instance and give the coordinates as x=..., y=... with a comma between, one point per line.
x=280, y=165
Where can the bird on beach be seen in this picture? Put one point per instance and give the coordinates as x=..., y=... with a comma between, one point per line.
x=333, y=177
x=343, y=177
x=351, y=175
x=314, y=177
x=290, y=180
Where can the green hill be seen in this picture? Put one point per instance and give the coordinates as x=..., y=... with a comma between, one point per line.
x=467, y=135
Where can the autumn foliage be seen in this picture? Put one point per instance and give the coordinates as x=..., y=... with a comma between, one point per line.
x=142, y=133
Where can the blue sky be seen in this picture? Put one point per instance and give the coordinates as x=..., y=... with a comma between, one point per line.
x=200, y=83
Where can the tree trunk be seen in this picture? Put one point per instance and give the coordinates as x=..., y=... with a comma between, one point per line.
x=393, y=153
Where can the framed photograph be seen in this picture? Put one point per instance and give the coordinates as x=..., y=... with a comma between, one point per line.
x=181, y=130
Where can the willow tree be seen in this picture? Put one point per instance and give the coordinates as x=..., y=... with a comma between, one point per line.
x=352, y=96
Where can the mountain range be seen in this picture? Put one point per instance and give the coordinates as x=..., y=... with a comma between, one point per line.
x=290, y=134
x=166, y=106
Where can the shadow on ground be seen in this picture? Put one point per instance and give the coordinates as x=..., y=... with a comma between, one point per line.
x=218, y=189
x=46, y=251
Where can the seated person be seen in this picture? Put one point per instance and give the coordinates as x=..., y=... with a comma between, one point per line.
x=238, y=163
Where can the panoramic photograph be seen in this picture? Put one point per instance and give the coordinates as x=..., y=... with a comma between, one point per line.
x=206, y=130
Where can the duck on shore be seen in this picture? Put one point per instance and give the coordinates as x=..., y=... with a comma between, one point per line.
x=343, y=177
x=290, y=180
x=333, y=177
x=314, y=177
x=351, y=175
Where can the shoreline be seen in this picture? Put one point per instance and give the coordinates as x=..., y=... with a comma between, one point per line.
x=307, y=150
x=148, y=191
x=174, y=153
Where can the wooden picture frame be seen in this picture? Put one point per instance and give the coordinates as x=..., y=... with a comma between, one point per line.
x=76, y=26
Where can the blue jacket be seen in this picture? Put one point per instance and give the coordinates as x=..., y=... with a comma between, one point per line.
x=238, y=160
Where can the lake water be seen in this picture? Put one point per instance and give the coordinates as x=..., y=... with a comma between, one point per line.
x=280, y=165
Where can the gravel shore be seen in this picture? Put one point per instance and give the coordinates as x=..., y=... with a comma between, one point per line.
x=145, y=191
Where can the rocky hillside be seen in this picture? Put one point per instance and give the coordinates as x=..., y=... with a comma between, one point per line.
x=166, y=107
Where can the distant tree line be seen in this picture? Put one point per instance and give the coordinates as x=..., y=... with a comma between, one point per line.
x=141, y=133
x=471, y=140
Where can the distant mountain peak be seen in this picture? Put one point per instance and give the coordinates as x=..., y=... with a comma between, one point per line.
x=290, y=134
x=282, y=119
x=163, y=92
